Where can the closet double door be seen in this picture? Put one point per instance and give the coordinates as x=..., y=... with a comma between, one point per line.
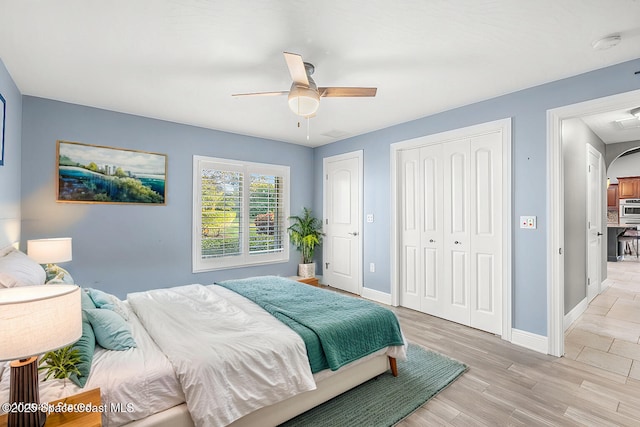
x=451, y=230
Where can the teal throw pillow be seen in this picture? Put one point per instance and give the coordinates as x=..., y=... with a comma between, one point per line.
x=107, y=301
x=85, y=346
x=111, y=330
x=85, y=301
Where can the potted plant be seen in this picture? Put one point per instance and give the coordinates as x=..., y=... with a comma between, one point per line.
x=306, y=234
x=61, y=363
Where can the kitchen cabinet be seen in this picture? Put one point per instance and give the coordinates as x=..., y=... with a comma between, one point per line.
x=629, y=187
x=612, y=196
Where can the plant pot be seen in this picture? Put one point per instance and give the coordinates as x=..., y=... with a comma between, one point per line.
x=307, y=270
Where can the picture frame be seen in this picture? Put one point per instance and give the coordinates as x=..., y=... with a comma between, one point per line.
x=3, y=120
x=99, y=174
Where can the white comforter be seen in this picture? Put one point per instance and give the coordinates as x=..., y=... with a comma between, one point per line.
x=229, y=364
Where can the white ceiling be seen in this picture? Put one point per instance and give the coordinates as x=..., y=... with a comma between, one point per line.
x=615, y=126
x=180, y=60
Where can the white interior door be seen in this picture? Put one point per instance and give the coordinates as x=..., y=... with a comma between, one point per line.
x=594, y=222
x=451, y=219
x=431, y=230
x=410, y=256
x=342, y=248
x=421, y=229
x=486, y=232
x=457, y=243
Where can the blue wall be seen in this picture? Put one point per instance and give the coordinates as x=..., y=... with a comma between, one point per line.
x=528, y=109
x=125, y=248
x=10, y=171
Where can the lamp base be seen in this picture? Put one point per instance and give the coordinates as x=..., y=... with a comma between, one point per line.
x=24, y=394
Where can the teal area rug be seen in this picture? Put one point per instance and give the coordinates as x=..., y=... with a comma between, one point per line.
x=385, y=400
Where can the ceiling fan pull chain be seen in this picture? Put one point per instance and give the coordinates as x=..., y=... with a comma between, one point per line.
x=307, y=128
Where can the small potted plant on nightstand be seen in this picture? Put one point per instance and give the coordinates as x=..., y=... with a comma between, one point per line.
x=306, y=234
x=61, y=363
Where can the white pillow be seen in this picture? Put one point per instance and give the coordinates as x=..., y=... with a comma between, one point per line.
x=17, y=269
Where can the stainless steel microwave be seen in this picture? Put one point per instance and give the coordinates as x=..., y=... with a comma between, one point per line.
x=630, y=211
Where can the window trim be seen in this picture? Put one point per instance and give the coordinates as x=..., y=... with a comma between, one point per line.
x=245, y=259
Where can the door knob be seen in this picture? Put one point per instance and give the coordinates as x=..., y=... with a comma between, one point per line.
x=457, y=243
x=599, y=234
x=355, y=233
x=431, y=241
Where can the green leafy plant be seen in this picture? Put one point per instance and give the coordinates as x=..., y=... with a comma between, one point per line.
x=306, y=234
x=61, y=363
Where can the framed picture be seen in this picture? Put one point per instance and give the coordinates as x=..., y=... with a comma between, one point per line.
x=96, y=174
x=3, y=118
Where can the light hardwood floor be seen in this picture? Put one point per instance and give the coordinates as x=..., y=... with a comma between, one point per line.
x=597, y=383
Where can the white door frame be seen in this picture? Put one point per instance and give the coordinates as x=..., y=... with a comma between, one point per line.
x=359, y=154
x=555, y=203
x=503, y=125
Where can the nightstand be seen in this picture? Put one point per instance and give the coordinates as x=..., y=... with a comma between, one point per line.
x=73, y=419
x=313, y=281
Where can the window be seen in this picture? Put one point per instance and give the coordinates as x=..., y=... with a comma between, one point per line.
x=240, y=211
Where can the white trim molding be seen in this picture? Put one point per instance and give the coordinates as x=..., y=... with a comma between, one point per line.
x=573, y=315
x=528, y=340
x=555, y=213
x=377, y=296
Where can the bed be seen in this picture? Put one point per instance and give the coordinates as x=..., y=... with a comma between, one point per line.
x=162, y=376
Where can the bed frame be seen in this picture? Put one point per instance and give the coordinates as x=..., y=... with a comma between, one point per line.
x=328, y=388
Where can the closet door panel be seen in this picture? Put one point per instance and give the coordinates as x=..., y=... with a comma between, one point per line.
x=431, y=235
x=410, y=221
x=456, y=230
x=486, y=232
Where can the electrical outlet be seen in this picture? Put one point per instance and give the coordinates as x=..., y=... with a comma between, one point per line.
x=369, y=217
x=528, y=222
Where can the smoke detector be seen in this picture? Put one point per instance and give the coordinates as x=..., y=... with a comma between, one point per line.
x=607, y=42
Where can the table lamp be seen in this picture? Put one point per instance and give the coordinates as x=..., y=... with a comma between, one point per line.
x=48, y=252
x=33, y=321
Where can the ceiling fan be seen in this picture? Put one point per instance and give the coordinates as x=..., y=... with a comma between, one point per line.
x=304, y=95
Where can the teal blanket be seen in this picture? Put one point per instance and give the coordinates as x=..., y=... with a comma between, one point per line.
x=336, y=329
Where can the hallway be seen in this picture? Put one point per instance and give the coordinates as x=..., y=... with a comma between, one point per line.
x=607, y=334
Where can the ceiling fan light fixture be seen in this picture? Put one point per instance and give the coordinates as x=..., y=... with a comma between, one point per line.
x=303, y=101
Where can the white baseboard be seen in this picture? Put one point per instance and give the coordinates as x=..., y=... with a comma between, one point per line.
x=575, y=312
x=605, y=284
x=529, y=340
x=377, y=296
x=525, y=339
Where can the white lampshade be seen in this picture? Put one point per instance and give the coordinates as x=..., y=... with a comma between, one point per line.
x=303, y=101
x=49, y=251
x=37, y=319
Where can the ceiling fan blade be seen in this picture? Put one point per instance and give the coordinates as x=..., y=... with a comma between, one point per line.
x=347, y=91
x=296, y=68
x=262, y=93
